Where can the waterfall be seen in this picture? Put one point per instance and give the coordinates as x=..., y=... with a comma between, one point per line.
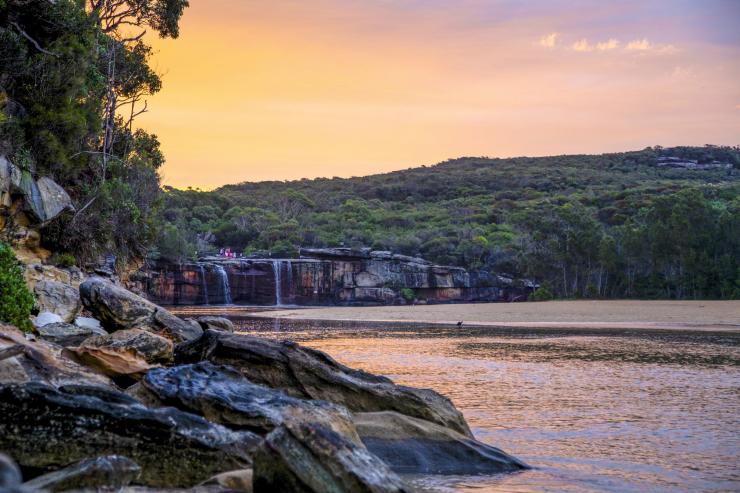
x=224, y=283
x=291, y=299
x=203, y=283
x=278, y=287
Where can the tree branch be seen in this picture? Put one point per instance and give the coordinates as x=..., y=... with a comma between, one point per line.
x=33, y=41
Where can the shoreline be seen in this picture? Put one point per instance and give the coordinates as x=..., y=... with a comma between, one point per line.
x=698, y=316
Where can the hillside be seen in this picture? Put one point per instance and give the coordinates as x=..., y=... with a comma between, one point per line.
x=661, y=222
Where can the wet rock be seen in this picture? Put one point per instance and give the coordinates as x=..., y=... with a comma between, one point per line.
x=216, y=323
x=240, y=480
x=112, y=471
x=10, y=475
x=40, y=361
x=59, y=298
x=46, y=318
x=414, y=446
x=150, y=347
x=307, y=373
x=124, y=365
x=66, y=334
x=221, y=394
x=118, y=308
x=173, y=448
x=304, y=457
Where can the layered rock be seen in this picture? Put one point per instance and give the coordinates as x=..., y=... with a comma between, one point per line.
x=323, y=277
x=310, y=374
x=414, y=446
x=65, y=334
x=308, y=458
x=223, y=395
x=173, y=448
x=118, y=308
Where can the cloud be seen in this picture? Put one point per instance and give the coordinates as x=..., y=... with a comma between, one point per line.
x=639, y=45
x=612, y=44
x=582, y=45
x=549, y=41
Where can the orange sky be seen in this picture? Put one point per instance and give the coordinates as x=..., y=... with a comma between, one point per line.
x=287, y=89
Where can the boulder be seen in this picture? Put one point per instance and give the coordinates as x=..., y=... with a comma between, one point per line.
x=121, y=364
x=150, y=347
x=10, y=475
x=40, y=361
x=221, y=394
x=66, y=334
x=216, y=323
x=54, y=198
x=118, y=308
x=306, y=457
x=310, y=374
x=89, y=323
x=174, y=448
x=46, y=318
x=112, y=471
x=414, y=446
x=240, y=480
x=59, y=298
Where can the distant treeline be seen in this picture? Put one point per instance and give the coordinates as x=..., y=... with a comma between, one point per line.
x=612, y=225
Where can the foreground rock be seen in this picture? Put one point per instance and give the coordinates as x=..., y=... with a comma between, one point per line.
x=216, y=323
x=65, y=334
x=40, y=361
x=150, y=347
x=124, y=365
x=174, y=448
x=307, y=373
x=308, y=458
x=111, y=471
x=118, y=308
x=59, y=298
x=414, y=446
x=221, y=394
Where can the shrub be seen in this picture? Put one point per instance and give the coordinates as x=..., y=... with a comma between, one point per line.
x=16, y=301
x=63, y=260
x=542, y=293
x=408, y=294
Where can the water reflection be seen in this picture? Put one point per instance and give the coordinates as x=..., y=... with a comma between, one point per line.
x=591, y=410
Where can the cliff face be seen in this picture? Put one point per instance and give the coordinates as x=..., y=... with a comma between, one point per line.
x=322, y=277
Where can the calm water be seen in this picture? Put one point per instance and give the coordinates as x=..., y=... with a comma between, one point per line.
x=606, y=411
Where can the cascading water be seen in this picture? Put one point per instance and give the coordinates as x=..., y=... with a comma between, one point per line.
x=289, y=267
x=278, y=282
x=224, y=283
x=203, y=284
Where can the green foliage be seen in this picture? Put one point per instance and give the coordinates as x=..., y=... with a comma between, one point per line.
x=542, y=293
x=408, y=294
x=63, y=260
x=604, y=226
x=16, y=300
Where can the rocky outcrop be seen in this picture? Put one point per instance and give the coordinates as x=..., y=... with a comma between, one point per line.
x=414, y=446
x=173, y=448
x=323, y=277
x=223, y=395
x=65, y=334
x=310, y=374
x=118, y=308
x=44, y=199
x=122, y=364
x=39, y=361
x=59, y=298
x=108, y=472
x=150, y=347
x=308, y=458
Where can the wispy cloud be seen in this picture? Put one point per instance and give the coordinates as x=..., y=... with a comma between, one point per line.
x=612, y=44
x=549, y=40
x=639, y=45
x=582, y=45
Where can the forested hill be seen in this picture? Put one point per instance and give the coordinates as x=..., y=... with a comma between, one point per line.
x=661, y=222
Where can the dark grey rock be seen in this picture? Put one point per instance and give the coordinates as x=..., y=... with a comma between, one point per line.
x=310, y=374
x=173, y=448
x=66, y=334
x=216, y=323
x=112, y=471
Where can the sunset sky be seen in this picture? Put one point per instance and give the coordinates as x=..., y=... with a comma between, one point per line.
x=284, y=89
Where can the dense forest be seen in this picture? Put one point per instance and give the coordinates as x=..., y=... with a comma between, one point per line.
x=74, y=75
x=612, y=225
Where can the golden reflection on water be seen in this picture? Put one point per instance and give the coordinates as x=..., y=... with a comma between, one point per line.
x=613, y=411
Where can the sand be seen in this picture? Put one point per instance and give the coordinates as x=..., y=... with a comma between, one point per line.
x=613, y=314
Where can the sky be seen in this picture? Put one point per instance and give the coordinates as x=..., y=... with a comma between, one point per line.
x=290, y=89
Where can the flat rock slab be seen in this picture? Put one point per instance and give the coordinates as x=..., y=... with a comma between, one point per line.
x=151, y=347
x=308, y=458
x=112, y=471
x=307, y=373
x=65, y=334
x=414, y=446
x=223, y=395
x=174, y=448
